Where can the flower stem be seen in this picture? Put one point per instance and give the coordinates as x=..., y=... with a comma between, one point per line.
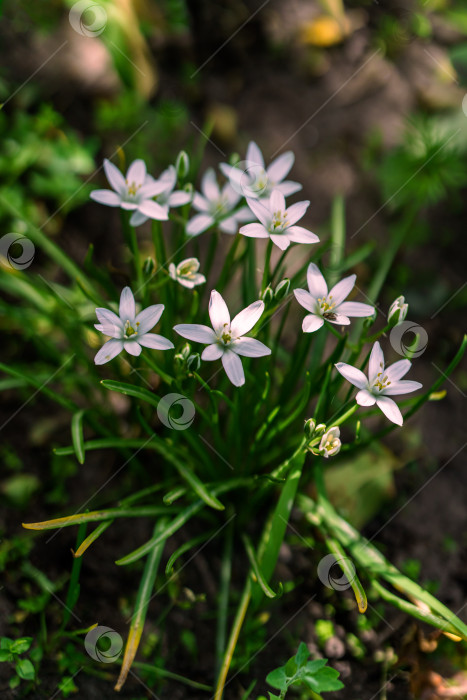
x=267, y=261
x=345, y=416
x=227, y=268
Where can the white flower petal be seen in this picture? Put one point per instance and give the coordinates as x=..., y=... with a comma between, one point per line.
x=155, y=341
x=355, y=308
x=244, y=214
x=212, y=352
x=148, y=318
x=128, y=206
x=289, y=187
x=107, y=197
x=281, y=242
x=196, y=332
x=218, y=312
x=352, y=374
x=390, y=409
x=401, y=387
x=153, y=210
x=231, y=196
x=127, y=309
x=398, y=370
x=260, y=211
x=254, y=155
x=254, y=231
x=233, y=368
x=276, y=201
x=151, y=189
x=198, y=224
x=316, y=282
x=229, y=225
x=136, y=173
x=115, y=177
x=342, y=289
x=280, y=167
x=297, y=211
x=312, y=323
x=339, y=320
x=305, y=299
x=108, y=351
x=250, y=347
x=209, y=186
x=376, y=362
x=200, y=203
x=137, y=218
x=132, y=347
x=365, y=398
x=179, y=198
x=246, y=319
x=298, y=234
x=112, y=324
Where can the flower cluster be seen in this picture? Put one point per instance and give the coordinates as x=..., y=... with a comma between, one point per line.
x=255, y=194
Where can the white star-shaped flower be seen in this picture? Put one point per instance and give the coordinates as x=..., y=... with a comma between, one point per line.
x=324, y=306
x=216, y=207
x=381, y=383
x=133, y=192
x=129, y=331
x=252, y=179
x=186, y=273
x=277, y=221
x=226, y=339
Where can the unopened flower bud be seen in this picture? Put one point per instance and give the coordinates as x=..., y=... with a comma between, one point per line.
x=320, y=428
x=182, y=165
x=330, y=443
x=182, y=356
x=397, y=311
x=234, y=158
x=268, y=295
x=282, y=289
x=193, y=363
x=148, y=267
x=309, y=427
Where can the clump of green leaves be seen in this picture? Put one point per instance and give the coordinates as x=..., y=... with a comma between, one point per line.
x=11, y=651
x=300, y=672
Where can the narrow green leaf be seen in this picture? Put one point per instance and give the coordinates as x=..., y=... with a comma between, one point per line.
x=258, y=575
x=131, y=390
x=77, y=435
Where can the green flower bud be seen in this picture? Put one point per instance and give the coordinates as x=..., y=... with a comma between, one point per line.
x=268, y=295
x=182, y=165
x=193, y=363
x=148, y=267
x=282, y=289
x=320, y=429
x=397, y=311
x=309, y=427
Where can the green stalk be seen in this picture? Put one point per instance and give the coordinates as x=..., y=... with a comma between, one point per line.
x=267, y=261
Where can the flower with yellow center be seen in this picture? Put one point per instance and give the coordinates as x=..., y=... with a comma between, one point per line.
x=381, y=383
x=328, y=306
x=134, y=192
x=129, y=331
x=330, y=442
x=226, y=339
x=186, y=273
x=278, y=222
